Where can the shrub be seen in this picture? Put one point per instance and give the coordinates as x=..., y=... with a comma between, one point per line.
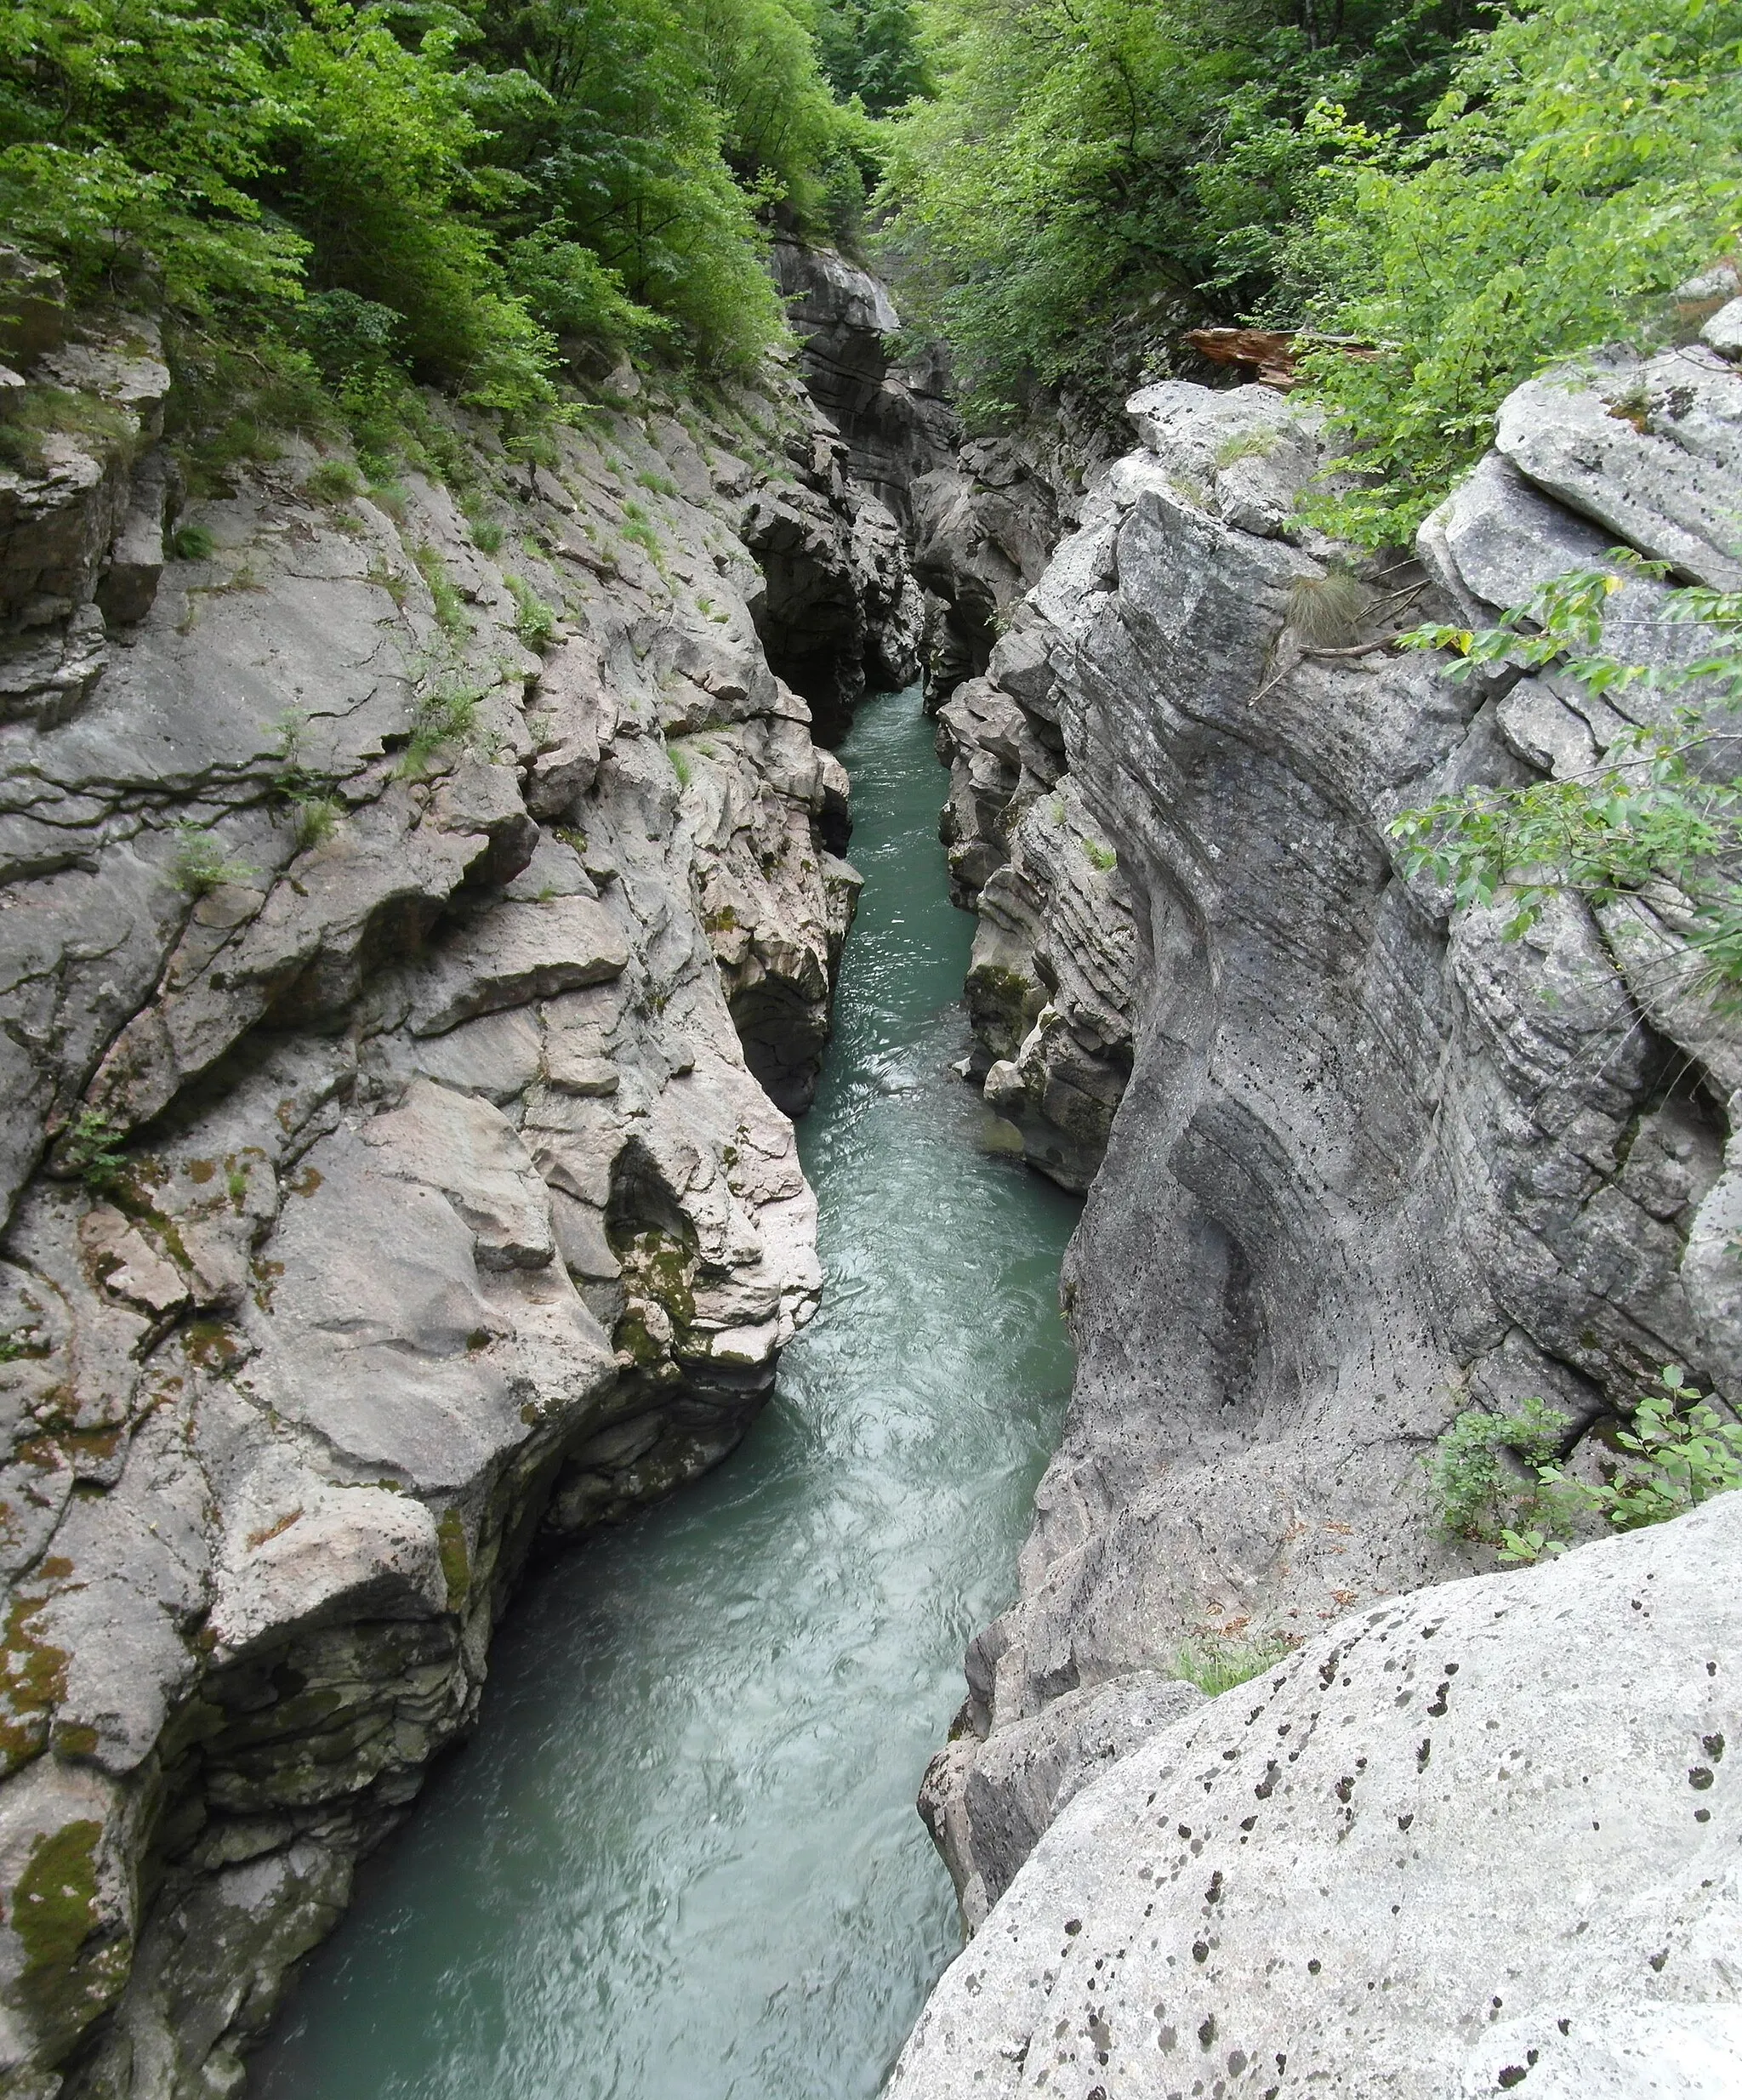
x=1647, y=811
x=192, y=542
x=448, y=605
x=535, y=622
x=314, y=818
x=92, y=1148
x=1677, y=1452
x=448, y=715
x=334, y=481
x=1472, y=1490
x=199, y=865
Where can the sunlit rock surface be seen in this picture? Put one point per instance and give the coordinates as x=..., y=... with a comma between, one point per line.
x=1478, y=1841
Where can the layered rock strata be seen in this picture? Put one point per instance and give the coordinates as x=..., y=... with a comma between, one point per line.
x=1479, y=1840
x=894, y=415
x=1359, y=1161
x=421, y=904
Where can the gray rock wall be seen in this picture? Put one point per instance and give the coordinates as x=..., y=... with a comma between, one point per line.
x=420, y=907
x=1358, y=1160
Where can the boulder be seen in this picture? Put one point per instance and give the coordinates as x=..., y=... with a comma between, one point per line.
x=1475, y=1840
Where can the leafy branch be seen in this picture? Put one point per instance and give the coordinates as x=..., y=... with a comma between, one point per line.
x=1645, y=812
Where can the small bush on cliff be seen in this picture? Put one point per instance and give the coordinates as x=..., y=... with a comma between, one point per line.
x=1473, y=1492
x=1676, y=1452
x=93, y=1148
x=199, y=865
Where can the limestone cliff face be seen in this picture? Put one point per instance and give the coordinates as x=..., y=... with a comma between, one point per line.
x=1357, y=1160
x=420, y=906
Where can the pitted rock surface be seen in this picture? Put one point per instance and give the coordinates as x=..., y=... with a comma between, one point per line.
x=1359, y=1162
x=1483, y=1839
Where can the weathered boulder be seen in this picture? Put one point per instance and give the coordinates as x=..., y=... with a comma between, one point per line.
x=1478, y=1841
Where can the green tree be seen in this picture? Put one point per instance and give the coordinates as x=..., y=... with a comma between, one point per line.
x=1588, y=157
x=873, y=49
x=1087, y=163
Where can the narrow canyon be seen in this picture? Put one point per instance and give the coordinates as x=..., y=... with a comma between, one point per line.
x=535, y=1183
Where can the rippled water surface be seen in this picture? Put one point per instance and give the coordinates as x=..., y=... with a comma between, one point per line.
x=679, y=1859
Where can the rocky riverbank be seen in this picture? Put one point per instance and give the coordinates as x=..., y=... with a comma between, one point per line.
x=1356, y=1162
x=423, y=901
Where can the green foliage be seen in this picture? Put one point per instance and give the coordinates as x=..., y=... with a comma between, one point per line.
x=639, y=528
x=1103, y=858
x=355, y=195
x=334, y=481
x=660, y=131
x=199, y=865
x=1257, y=444
x=133, y=132
x=1216, y=1663
x=873, y=49
x=1677, y=1452
x=315, y=817
x=486, y=534
x=447, y=714
x=1088, y=165
x=449, y=606
x=92, y=1149
x=1646, y=811
x=534, y=622
x=1473, y=1491
x=1588, y=157
x=33, y=412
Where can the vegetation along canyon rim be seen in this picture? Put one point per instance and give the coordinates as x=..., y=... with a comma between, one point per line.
x=481, y=487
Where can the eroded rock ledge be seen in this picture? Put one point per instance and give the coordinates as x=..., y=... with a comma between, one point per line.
x=419, y=912
x=1358, y=1161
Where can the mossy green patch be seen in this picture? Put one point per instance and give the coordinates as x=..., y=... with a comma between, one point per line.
x=55, y=1903
x=34, y=1682
x=456, y=1561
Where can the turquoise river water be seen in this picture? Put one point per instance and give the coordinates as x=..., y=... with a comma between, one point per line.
x=680, y=1860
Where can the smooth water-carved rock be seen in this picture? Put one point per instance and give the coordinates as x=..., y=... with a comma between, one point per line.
x=1478, y=1841
x=1366, y=1162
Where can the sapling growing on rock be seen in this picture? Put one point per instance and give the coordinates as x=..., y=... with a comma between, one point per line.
x=199, y=865
x=1677, y=1452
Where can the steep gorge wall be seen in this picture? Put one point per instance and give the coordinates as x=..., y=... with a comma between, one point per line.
x=420, y=907
x=1357, y=1160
